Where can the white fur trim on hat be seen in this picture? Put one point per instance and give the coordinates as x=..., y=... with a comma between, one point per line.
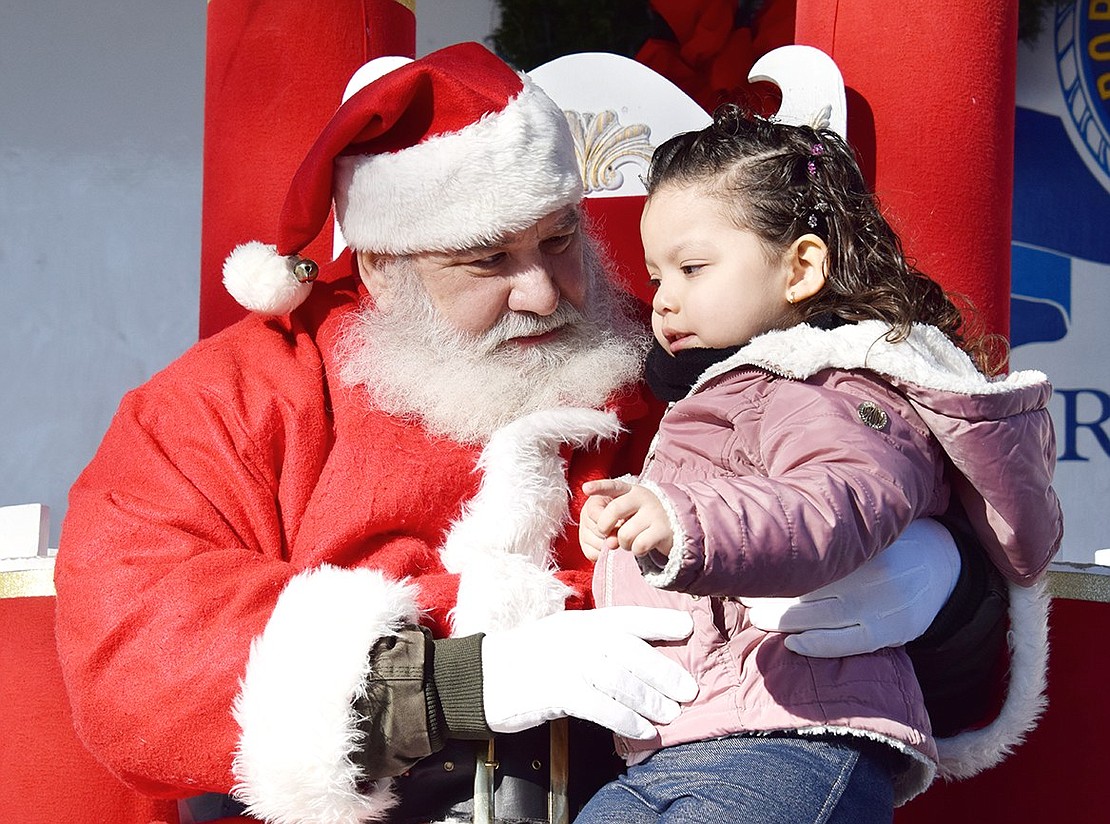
x=295, y=705
x=262, y=281
x=458, y=190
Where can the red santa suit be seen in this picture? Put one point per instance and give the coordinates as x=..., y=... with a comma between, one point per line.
x=245, y=493
x=251, y=527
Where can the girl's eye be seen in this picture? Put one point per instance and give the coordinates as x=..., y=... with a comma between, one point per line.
x=690, y=268
x=653, y=283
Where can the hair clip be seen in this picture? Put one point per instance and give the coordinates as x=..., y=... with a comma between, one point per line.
x=813, y=218
x=816, y=150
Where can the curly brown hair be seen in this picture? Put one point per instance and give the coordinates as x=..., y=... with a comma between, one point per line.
x=782, y=181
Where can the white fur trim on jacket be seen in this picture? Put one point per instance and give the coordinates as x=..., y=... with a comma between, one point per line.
x=664, y=576
x=926, y=358
x=971, y=752
x=295, y=704
x=459, y=190
x=501, y=544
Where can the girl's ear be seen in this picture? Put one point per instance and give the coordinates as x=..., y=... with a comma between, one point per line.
x=806, y=258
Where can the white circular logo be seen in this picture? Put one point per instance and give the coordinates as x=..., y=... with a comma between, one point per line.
x=1083, y=65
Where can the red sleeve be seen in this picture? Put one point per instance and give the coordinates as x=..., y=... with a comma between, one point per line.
x=169, y=564
x=197, y=656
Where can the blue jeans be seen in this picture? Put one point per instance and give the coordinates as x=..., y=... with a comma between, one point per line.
x=757, y=779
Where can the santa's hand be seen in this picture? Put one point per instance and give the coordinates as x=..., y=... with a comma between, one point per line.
x=887, y=602
x=591, y=664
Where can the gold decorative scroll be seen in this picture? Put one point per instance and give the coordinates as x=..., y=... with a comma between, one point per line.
x=601, y=144
x=27, y=583
x=1080, y=582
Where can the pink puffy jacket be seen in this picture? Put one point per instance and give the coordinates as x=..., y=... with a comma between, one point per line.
x=789, y=465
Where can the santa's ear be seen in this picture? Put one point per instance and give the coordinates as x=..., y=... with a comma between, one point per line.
x=806, y=259
x=374, y=272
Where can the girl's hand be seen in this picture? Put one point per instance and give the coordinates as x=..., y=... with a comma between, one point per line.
x=634, y=516
x=590, y=538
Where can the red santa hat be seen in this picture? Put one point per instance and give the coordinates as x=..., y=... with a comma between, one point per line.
x=446, y=152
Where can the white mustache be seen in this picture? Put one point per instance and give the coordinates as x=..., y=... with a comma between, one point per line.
x=527, y=324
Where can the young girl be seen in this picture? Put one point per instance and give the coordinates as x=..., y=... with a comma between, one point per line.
x=823, y=398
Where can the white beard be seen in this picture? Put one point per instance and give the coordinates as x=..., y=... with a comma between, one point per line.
x=416, y=365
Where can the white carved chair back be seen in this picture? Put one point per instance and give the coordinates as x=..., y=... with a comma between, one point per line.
x=620, y=110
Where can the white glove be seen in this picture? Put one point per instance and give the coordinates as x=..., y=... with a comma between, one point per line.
x=887, y=602
x=592, y=664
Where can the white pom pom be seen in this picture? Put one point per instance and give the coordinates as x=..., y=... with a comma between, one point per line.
x=262, y=280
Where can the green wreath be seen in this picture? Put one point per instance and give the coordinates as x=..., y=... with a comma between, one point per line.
x=532, y=32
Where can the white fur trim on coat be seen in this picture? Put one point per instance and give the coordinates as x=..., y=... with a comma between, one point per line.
x=295, y=705
x=501, y=544
x=971, y=752
x=926, y=358
x=459, y=190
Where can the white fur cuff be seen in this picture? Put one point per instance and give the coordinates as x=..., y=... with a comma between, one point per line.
x=971, y=752
x=294, y=708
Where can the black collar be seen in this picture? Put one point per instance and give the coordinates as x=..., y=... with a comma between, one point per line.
x=670, y=377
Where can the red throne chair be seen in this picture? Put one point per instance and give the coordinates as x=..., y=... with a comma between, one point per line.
x=47, y=775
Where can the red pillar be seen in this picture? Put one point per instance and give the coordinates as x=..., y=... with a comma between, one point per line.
x=275, y=72
x=931, y=95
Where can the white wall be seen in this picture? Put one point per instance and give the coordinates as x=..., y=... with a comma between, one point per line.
x=100, y=183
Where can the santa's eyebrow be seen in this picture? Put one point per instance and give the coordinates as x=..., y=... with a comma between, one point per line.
x=569, y=221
